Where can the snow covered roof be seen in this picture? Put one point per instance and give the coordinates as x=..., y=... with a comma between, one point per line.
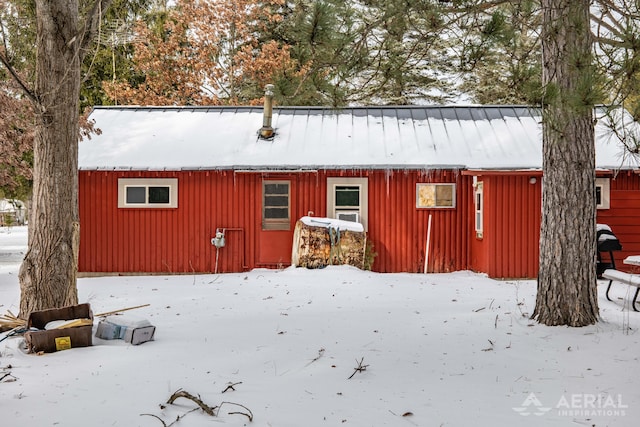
x=393, y=137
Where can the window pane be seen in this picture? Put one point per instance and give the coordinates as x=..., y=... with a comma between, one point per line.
x=426, y=196
x=598, y=195
x=276, y=213
x=159, y=195
x=276, y=200
x=276, y=189
x=275, y=205
x=444, y=195
x=136, y=195
x=347, y=196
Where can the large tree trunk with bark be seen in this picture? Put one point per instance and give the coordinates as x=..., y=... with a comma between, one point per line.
x=48, y=272
x=567, y=284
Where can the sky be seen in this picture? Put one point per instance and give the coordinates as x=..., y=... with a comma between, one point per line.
x=330, y=347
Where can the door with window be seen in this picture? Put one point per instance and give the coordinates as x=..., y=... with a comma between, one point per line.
x=348, y=200
x=276, y=227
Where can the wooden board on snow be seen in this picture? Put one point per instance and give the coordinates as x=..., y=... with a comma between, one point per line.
x=318, y=242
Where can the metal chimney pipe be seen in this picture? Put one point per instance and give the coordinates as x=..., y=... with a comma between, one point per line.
x=266, y=131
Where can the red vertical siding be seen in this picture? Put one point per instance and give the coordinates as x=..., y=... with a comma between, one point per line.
x=164, y=240
x=398, y=229
x=512, y=215
x=512, y=211
x=623, y=216
x=179, y=240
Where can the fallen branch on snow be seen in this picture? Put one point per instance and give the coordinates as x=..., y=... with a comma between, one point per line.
x=109, y=313
x=231, y=386
x=359, y=368
x=315, y=359
x=213, y=411
x=181, y=393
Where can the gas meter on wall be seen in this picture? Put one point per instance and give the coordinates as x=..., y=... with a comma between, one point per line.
x=218, y=241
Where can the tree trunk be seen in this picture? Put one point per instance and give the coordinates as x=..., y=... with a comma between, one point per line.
x=48, y=272
x=567, y=284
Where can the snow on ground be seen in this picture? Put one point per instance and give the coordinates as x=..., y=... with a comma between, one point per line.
x=440, y=350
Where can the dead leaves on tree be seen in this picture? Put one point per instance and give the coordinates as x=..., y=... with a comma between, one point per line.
x=208, y=53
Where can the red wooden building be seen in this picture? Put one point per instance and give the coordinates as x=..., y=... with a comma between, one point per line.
x=158, y=183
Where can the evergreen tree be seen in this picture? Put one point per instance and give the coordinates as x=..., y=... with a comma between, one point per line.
x=500, y=55
x=321, y=35
x=407, y=54
x=567, y=287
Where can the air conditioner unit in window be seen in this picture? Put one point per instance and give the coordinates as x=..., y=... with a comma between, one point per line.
x=353, y=216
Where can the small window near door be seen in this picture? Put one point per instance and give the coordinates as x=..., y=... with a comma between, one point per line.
x=435, y=196
x=275, y=205
x=479, y=208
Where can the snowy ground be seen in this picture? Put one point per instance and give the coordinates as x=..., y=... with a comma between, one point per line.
x=441, y=350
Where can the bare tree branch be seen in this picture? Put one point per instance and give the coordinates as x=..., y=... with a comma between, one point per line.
x=181, y=393
x=28, y=92
x=91, y=25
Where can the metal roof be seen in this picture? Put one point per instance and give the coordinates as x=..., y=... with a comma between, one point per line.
x=390, y=137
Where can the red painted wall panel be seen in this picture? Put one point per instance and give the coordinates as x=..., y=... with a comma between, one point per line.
x=513, y=210
x=509, y=246
x=178, y=240
x=624, y=215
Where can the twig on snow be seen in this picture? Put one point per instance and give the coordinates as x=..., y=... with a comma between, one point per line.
x=315, y=359
x=181, y=393
x=155, y=416
x=5, y=375
x=178, y=418
x=359, y=368
x=249, y=414
x=490, y=348
x=213, y=411
x=231, y=386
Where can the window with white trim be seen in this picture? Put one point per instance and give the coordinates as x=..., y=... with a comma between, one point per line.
x=435, y=196
x=148, y=192
x=276, y=208
x=479, y=208
x=347, y=199
x=602, y=193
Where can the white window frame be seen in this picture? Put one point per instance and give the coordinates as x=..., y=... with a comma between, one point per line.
x=605, y=189
x=363, y=208
x=478, y=202
x=171, y=183
x=424, y=185
x=276, y=223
